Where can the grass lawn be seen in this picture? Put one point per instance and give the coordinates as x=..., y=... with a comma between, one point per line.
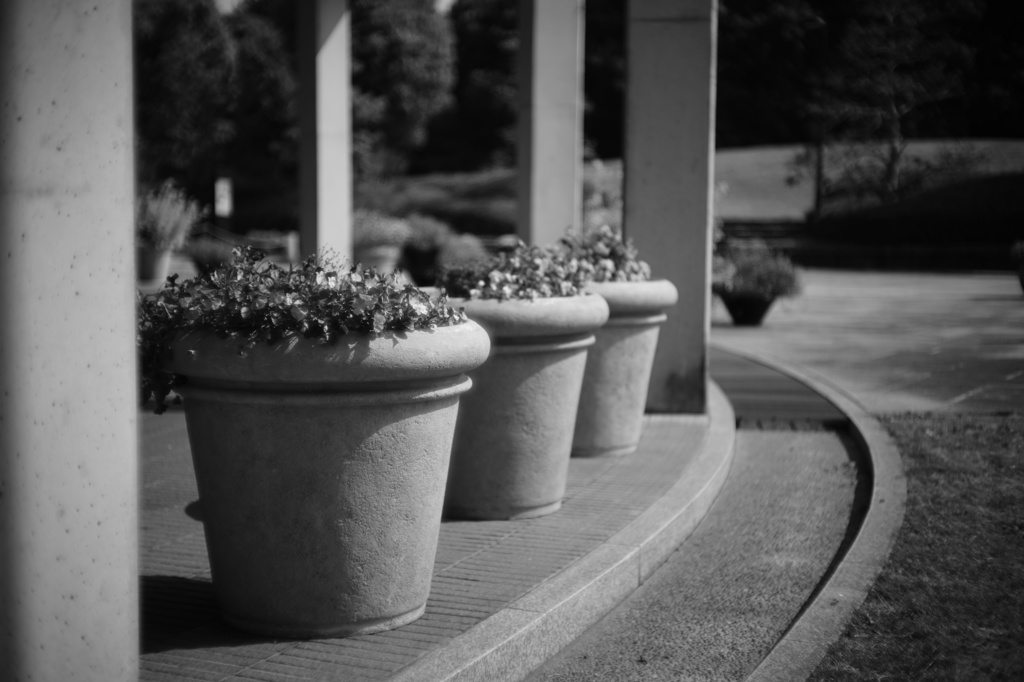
x=949, y=605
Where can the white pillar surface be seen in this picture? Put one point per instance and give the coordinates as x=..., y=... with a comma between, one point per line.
x=69, y=605
x=550, y=128
x=669, y=157
x=325, y=121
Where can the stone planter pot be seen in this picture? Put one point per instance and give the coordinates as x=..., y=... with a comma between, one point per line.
x=151, y=264
x=383, y=258
x=745, y=310
x=611, y=410
x=512, y=444
x=321, y=472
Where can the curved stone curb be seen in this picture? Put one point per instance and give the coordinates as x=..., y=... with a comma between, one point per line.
x=511, y=643
x=824, y=617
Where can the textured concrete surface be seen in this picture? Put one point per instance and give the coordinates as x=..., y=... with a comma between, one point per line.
x=879, y=505
x=899, y=341
x=715, y=609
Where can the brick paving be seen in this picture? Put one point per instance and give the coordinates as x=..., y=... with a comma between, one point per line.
x=762, y=397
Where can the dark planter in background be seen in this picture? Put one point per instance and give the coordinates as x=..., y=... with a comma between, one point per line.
x=746, y=310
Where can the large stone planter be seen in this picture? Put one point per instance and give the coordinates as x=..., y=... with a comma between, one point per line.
x=321, y=472
x=610, y=416
x=512, y=444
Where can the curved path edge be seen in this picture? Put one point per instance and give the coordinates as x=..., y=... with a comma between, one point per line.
x=824, y=617
x=514, y=641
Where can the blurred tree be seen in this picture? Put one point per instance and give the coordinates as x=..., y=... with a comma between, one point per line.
x=604, y=78
x=184, y=68
x=283, y=16
x=402, y=75
x=477, y=130
x=262, y=155
x=954, y=68
x=766, y=53
x=891, y=63
x=995, y=83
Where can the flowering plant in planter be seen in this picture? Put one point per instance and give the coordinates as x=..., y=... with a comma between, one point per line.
x=526, y=273
x=612, y=258
x=756, y=278
x=256, y=300
x=164, y=219
x=514, y=434
x=758, y=272
x=165, y=216
x=320, y=404
x=619, y=365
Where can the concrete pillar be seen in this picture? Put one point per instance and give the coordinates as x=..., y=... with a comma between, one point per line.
x=669, y=173
x=325, y=122
x=68, y=477
x=550, y=134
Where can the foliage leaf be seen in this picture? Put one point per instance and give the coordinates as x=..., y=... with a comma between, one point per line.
x=257, y=301
x=527, y=272
x=612, y=258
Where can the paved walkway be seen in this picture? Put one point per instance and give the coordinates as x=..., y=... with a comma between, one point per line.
x=899, y=341
x=720, y=603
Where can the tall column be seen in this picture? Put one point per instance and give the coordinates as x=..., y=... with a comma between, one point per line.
x=325, y=122
x=68, y=476
x=550, y=134
x=669, y=177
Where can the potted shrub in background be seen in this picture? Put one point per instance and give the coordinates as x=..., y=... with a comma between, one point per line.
x=721, y=268
x=208, y=253
x=618, y=373
x=756, y=276
x=164, y=217
x=378, y=240
x=1017, y=254
x=320, y=407
x=513, y=440
x=462, y=251
x=427, y=236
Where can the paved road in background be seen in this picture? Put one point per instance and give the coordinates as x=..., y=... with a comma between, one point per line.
x=899, y=341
